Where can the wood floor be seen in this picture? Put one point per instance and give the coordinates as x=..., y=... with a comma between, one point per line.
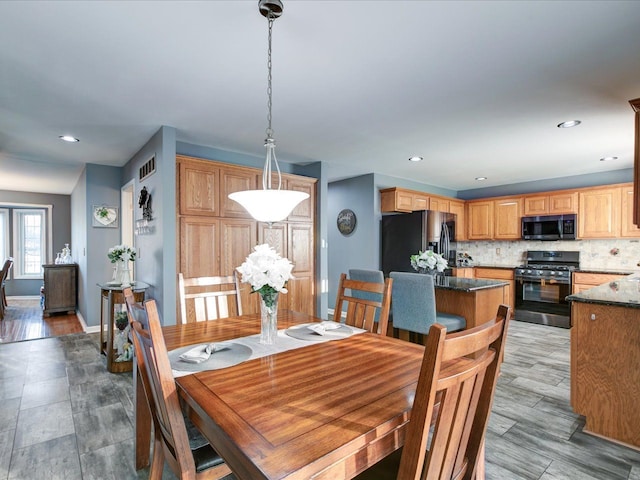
x=24, y=321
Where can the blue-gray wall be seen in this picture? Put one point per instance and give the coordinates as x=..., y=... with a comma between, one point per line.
x=61, y=232
x=156, y=264
x=577, y=181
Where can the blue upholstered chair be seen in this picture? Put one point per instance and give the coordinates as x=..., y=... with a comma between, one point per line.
x=413, y=304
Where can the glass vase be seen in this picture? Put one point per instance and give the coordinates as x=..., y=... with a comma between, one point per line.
x=123, y=275
x=269, y=318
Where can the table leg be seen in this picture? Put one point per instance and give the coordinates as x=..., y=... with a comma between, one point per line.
x=142, y=437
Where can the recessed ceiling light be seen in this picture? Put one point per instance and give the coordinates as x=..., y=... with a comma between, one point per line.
x=569, y=124
x=415, y=159
x=480, y=179
x=68, y=138
x=606, y=159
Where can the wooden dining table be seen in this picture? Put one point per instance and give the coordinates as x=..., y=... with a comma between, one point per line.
x=325, y=410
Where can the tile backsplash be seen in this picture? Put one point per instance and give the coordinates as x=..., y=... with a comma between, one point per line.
x=596, y=254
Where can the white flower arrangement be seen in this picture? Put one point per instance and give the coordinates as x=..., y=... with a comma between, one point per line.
x=428, y=261
x=267, y=272
x=121, y=252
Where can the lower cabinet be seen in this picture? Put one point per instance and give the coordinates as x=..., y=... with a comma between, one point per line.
x=585, y=280
x=60, y=288
x=500, y=274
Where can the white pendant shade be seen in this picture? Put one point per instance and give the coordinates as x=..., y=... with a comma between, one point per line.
x=269, y=205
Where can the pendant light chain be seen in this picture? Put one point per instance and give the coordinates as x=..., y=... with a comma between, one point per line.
x=270, y=142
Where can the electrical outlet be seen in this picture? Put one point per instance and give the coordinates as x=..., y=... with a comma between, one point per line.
x=497, y=251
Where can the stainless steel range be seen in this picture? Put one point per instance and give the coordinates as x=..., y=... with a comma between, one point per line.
x=542, y=286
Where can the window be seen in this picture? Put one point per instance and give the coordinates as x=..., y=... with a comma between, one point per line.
x=29, y=242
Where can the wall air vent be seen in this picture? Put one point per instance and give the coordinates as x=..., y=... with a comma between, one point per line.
x=148, y=168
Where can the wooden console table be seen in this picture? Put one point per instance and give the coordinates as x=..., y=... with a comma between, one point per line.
x=60, y=288
x=112, y=301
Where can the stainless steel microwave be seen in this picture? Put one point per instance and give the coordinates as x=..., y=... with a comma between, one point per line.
x=550, y=227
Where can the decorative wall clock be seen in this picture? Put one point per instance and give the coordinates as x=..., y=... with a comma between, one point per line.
x=346, y=222
x=105, y=217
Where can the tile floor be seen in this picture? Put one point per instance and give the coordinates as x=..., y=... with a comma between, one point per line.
x=63, y=416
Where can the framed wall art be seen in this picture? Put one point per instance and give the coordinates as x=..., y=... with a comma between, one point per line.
x=104, y=216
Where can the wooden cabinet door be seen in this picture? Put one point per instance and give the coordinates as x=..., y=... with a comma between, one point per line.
x=404, y=201
x=275, y=235
x=199, y=246
x=301, y=296
x=305, y=211
x=420, y=202
x=237, y=239
x=480, y=220
x=439, y=205
x=628, y=228
x=507, y=219
x=562, y=203
x=599, y=213
x=234, y=180
x=457, y=208
x=536, y=205
x=199, y=187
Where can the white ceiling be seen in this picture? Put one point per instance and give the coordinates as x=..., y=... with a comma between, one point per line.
x=477, y=88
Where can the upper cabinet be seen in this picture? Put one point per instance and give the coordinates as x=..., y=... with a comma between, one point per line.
x=401, y=200
x=627, y=226
x=599, y=213
x=199, y=186
x=457, y=207
x=550, y=204
x=508, y=212
x=491, y=219
x=480, y=220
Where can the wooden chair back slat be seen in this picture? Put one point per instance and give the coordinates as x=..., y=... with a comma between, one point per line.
x=208, y=298
x=361, y=312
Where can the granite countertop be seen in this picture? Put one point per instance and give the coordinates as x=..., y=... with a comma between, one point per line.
x=466, y=284
x=610, y=271
x=624, y=292
x=482, y=265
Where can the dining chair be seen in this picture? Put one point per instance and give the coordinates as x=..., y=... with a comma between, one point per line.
x=6, y=268
x=454, y=394
x=208, y=298
x=413, y=306
x=375, y=276
x=361, y=312
x=171, y=442
x=135, y=310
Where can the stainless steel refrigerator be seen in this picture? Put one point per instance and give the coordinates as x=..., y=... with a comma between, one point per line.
x=408, y=233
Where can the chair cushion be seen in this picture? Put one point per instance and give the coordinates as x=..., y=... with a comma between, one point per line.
x=450, y=321
x=206, y=457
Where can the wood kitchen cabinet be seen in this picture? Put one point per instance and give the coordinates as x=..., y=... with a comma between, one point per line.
x=635, y=104
x=605, y=378
x=401, y=200
x=507, y=223
x=585, y=280
x=459, y=210
x=627, y=226
x=550, y=204
x=480, y=220
x=216, y=234
x=599, y=212
x=60, y=288
x=506, y=274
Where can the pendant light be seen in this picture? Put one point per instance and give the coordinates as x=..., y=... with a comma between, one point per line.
x=269, y=204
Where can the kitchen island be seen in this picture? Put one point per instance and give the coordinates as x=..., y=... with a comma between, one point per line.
x=476, y=300
x=605, y=359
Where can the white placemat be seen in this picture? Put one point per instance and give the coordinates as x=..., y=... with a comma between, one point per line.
x=283, y=343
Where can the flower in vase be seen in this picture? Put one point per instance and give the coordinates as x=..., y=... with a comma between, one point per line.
x=428, y=261
x=267, y=272
x=121, y=252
